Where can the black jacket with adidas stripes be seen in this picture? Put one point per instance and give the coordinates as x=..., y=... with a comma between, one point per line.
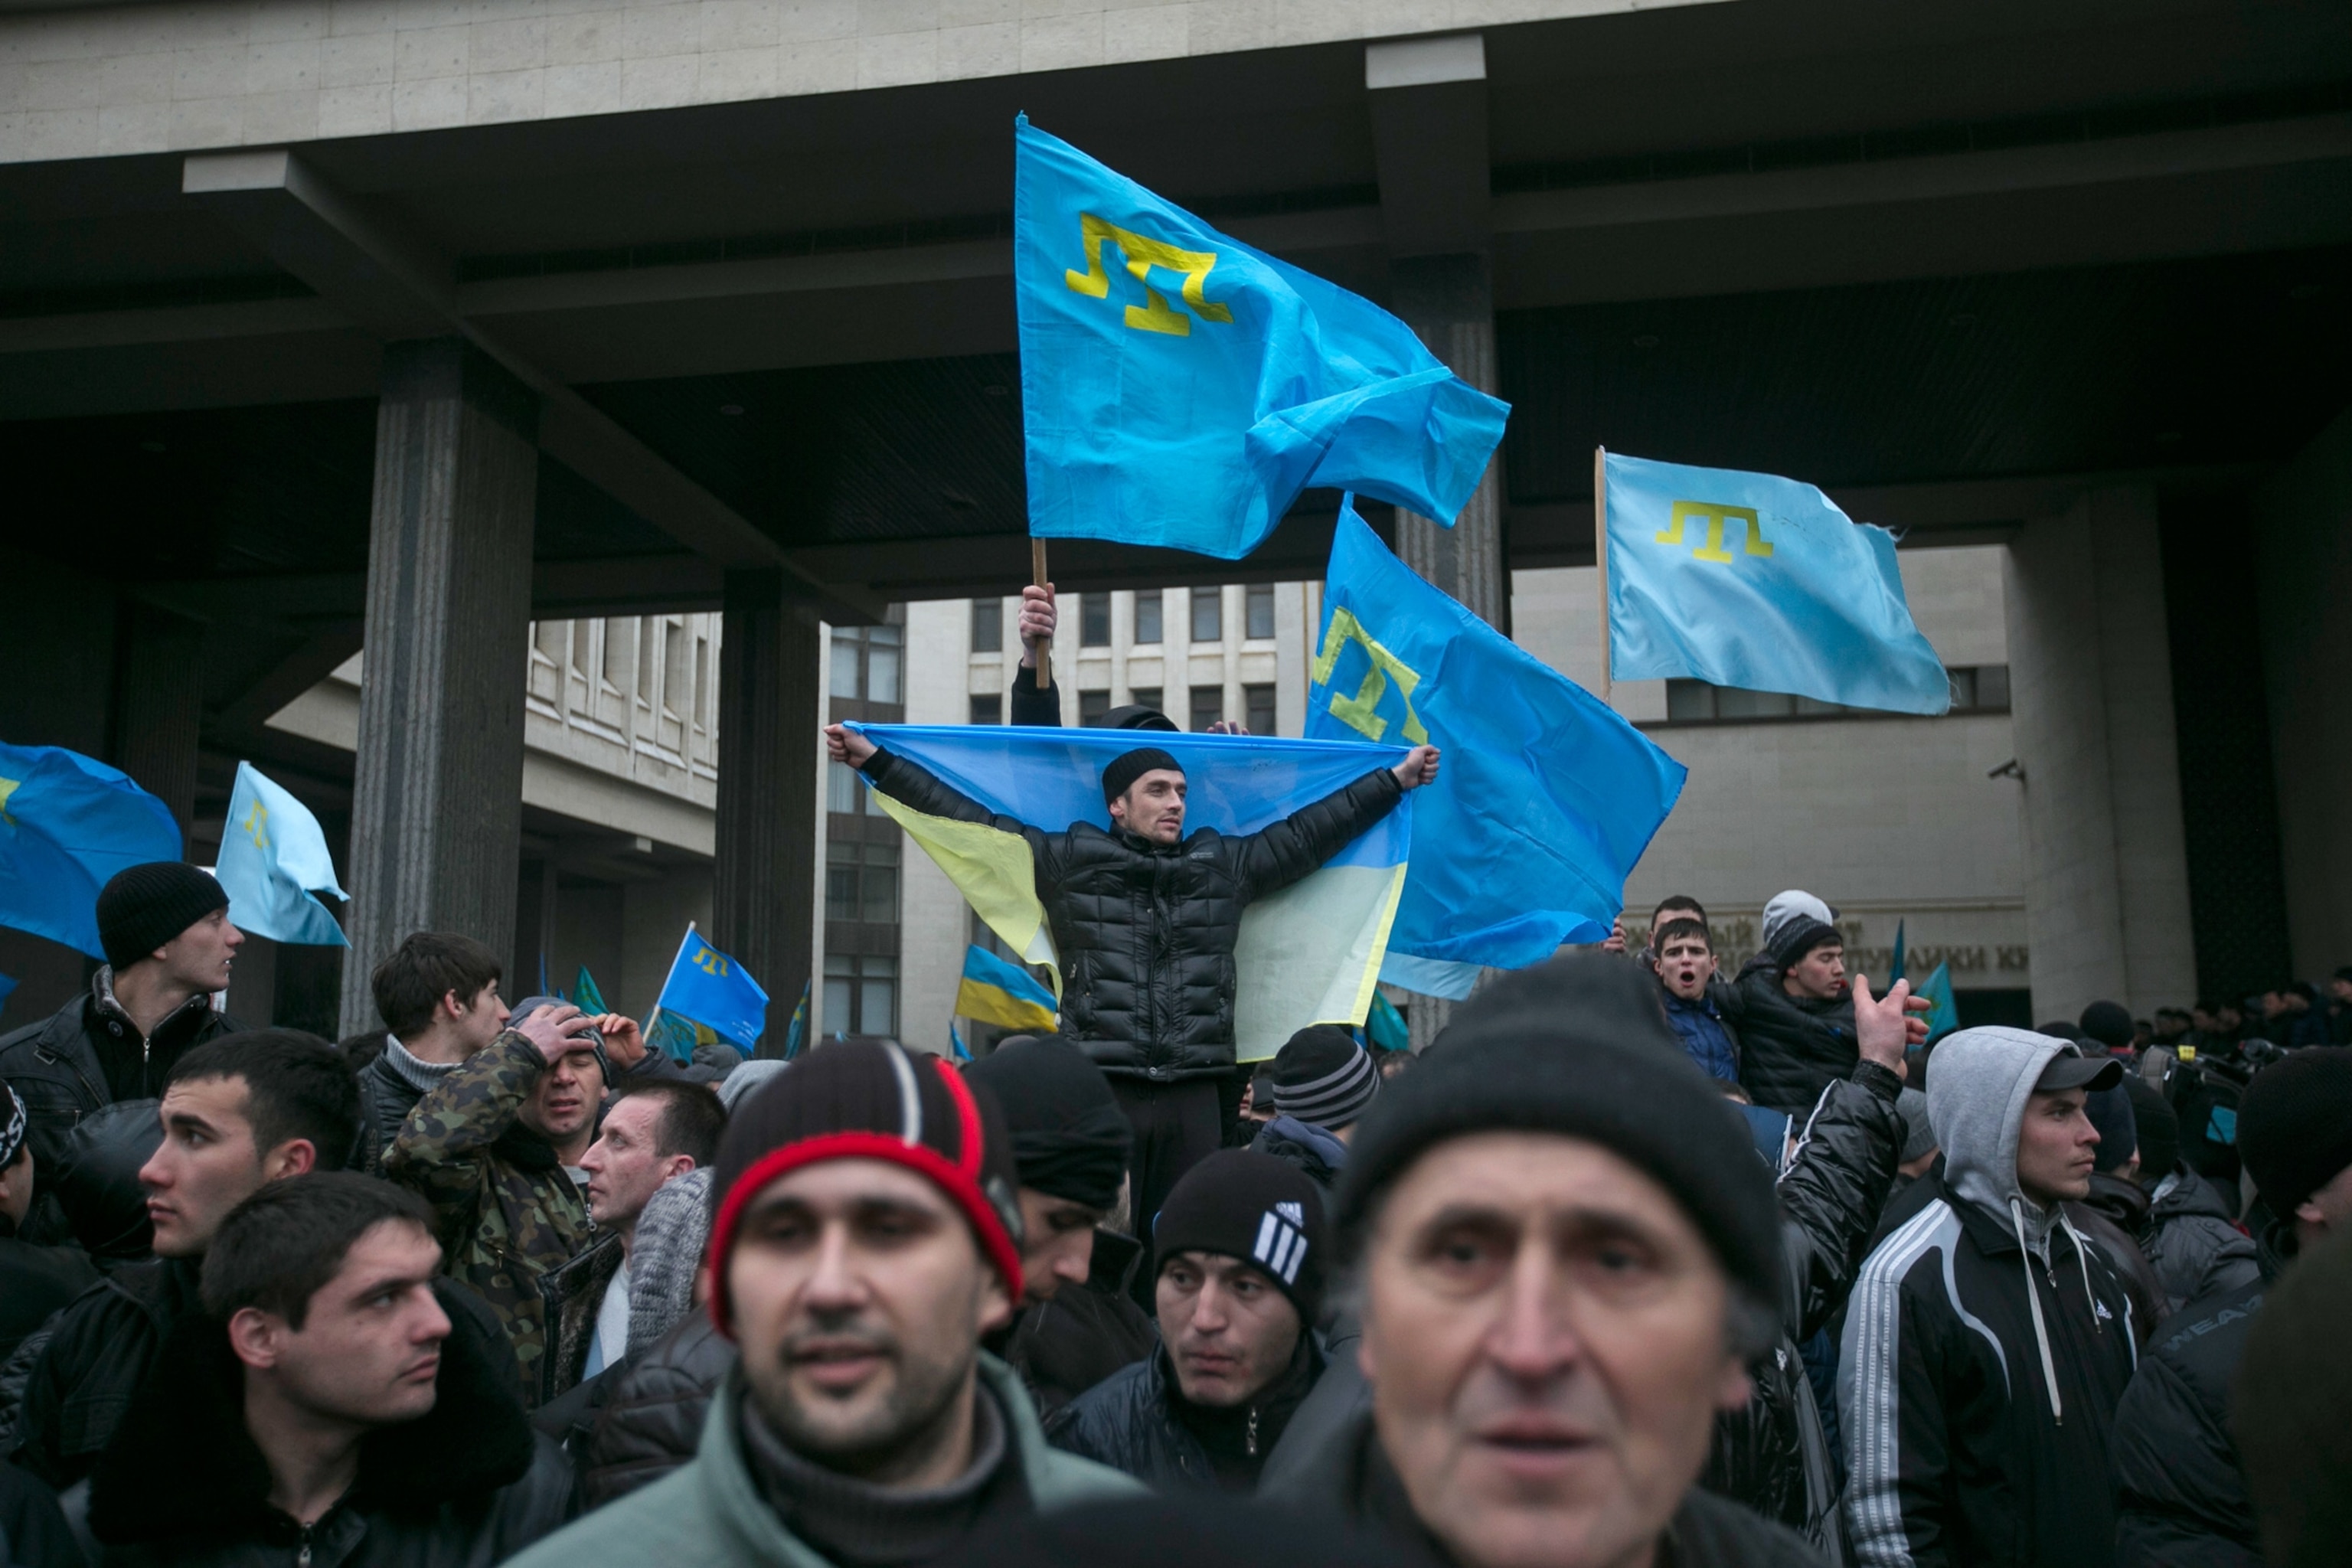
x=1987, y=1345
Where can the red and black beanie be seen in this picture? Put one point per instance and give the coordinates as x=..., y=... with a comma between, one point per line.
x=868, y=1099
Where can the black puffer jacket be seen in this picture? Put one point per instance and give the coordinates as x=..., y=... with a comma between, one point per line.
x=2195, y=1249
x=654, y=1411
x=1791, y=1048
x=88, y=1054
x=1146, y=931
x=2181, y=1493
x=1139, y=1422
x=466, y=1486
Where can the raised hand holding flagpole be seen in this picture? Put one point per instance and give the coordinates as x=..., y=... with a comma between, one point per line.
x=1044, y=646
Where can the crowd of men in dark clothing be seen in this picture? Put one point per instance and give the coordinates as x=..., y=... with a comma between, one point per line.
x=1636, y=1264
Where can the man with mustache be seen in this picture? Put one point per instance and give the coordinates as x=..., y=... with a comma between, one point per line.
x=325, y=1406
x=868, y=1235
x=1564, y=1254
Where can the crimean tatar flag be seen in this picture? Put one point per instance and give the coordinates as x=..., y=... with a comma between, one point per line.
x=1309, y=954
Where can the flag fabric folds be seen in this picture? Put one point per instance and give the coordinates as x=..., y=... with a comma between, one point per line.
x=1546, y=797
x=1761, y=583
x=711, y=989
x=1307, y=955
x=587, y=996
x=1945, y=1015
x=995, y=991
x=273, y=859
x=1386, y=1026
x=1180, y=388
x=68, y=823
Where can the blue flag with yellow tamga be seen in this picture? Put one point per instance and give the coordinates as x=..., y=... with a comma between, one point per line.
x=273, y=860
x=1945, y=1015
x=713, y=990
x=1180, y=388
x=1545, y=798
x=995, y=991
x=68, y=823
x=1307, y=955
x=1761, y=583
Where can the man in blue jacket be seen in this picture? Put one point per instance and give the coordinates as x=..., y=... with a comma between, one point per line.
x=1686, y=960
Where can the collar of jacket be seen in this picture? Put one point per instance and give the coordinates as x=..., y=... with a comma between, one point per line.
x=183, y=1465
x=749, y=1528
x=2121, y=1200
x=1224, y=1431
x=196, y=1009
x=1995, y=1235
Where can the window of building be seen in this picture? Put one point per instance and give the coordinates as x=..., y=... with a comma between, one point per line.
x=1146, y=696
x=988, y=626
x=988, y=709
x=1208, y=614
x=867, y=663
x=1975, y=689
x=1148, y=604
x=1258, y=603
x=861, y=881
x=1257, y=704
x=843, y=793
x=861, y=994
x=1208, y=706
x=620, y=649
x=1093, y=708
x=1093, y=620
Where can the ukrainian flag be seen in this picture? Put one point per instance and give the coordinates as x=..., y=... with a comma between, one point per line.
x=995, y=991
x=1309, y=954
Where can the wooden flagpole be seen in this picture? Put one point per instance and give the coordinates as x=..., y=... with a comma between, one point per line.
x=1600, y=553
x=1044, y=647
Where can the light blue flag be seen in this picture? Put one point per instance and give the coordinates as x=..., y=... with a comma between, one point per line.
x=1945, y=1015
x=1309, y=954
x=67, y=826
x=1180, y=388
x=1761, y=583
x=1544, y=799
x=711, y=989
x=273, y=856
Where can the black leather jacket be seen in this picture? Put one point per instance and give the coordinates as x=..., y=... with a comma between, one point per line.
x=1146, y=931
x=88, y=1054
x=1135, y=1421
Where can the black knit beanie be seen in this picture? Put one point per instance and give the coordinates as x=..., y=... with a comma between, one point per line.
x=1266, y=1212
x=1129, y=767
x=870, y=1099
x=1800, y=937
x=2160, y=1130
x=1580, y=1047
x=1323, y=1078
x=1070, y=1140
x=2107, y=1022
x=2294, y=1126
x=142, y=907
x=2110, y=1110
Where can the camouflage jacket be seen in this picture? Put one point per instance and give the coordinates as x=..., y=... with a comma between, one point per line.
x=508, y=1215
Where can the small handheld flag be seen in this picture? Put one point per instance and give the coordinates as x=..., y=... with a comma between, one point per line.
x=1895, y=967
x=1756, y=582
x=955, y=1043
x=713, y=990
x=796, y=1033
x=273, y=859
x=1180, y=388
x=995, y=991
x=1945, y=1015
x=1386, y=1026
x=68, y=823
x=586, y=995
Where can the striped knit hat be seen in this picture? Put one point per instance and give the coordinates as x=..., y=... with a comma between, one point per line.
x=1323, y=1078
x=870, y=1099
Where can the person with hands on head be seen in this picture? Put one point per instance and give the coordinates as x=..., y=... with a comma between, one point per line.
x=1146, y=918
x=488, y=1150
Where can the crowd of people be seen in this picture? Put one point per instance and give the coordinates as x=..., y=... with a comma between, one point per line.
x=1636, y=1264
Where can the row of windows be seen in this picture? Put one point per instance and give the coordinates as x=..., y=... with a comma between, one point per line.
x=1149, y=626
x=861, y=994
x=1207, y=708
x=861, y=881
x=1975, y=689
x=869, y=663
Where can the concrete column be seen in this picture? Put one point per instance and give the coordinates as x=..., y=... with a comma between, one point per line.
x=436, y=829
x=763, y=905
x=158, y=695
x=1447, y=300
x=2091, y=704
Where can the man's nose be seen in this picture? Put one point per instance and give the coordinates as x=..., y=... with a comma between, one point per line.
x=834, y=1281
x=1534, y=1339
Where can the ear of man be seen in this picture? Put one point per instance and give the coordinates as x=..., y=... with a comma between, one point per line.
x=255, y=1336
x=295, y=1157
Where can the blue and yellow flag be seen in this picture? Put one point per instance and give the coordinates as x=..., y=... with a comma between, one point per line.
x=273, y=859
x=1180, y=388
x=68, y=823
x=796, y=1032
x=1546, y=797
x=1761, y=583
x=712, y=989
x=1307, y=955
x=995, y=991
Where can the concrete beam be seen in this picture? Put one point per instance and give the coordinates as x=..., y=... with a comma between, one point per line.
x=1428, y=102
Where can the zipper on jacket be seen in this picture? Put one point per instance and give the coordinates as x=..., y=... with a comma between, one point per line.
x=1249, y=1438
x=302, y=1558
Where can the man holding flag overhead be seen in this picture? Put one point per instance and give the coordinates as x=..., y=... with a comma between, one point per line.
x=1145, y=921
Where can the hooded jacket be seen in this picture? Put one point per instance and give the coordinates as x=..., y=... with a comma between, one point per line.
x=1146, y=931
x=2182, y=1502
x=89, y=1054
x=1791, y=1048
x=1312, y=1149
x=1986, y=1346
x=711, y=1512
x=464, y=1485
x=2195, y=1248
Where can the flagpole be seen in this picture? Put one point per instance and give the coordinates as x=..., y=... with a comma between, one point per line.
x=1601, y=555
x=655, y=1017
x=1045, y=646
